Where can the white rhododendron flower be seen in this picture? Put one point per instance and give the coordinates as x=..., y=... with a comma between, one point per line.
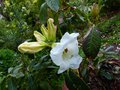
x=65, y=53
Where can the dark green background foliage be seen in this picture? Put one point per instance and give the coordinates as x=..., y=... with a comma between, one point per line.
x=7, y=59
x=112, y=4
x=110, y=29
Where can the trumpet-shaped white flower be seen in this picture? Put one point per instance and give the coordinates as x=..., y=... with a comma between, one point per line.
x=65, y=54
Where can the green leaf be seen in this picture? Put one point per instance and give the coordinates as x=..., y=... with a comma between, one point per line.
x=2, y=82
x=45, y=86
x=91, y=43
x=69, y=83
x=53, y=4
x=31, y=83
x=16, y=71
x=43, y=13
x=40, y=2
x=106, y=74
x=80, y=17
x=11, y=84
x=78, y=82
x=2, y=79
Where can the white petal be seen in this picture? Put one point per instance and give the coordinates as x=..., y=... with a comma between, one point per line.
x=68, y=37
x=74, y=35
x=56, y=54
x=75, y=62
x=65, y=37
x=73, y=47
x=63, y=67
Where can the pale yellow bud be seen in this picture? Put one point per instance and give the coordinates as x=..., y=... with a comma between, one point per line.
x=44, y=31
x=31, y=47
x=95, y=10
x=51, y=30
x=39, y=37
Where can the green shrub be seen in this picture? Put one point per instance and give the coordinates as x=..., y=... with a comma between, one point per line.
x=6, y=54
x=7, y=59
x=111, y=29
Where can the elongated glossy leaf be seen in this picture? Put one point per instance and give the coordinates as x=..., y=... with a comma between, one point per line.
x=11, y=84
x=91, y=43
x=2, y=83
x=78, y=82
x=53, y=4
x=106, y=74
x=43, y=13
x=69, y=83
x=31, y=85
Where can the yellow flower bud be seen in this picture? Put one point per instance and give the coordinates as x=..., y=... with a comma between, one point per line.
x=39, y=37
x=95, y=10
x=51, y=30
x=43, y=39
x=44, y=31
x=31, y=47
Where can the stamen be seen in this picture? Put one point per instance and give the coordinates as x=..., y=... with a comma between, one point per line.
x=66, y=50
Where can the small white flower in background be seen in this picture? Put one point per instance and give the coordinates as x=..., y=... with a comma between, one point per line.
x=65, y=53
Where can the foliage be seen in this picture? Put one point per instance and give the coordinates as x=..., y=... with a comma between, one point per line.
x=6, y=59
x=74, y=82
x=6, y=54
x=30, y=71
x=92, y=42
x=112, y=4
x=110, y=29
x=53, y=4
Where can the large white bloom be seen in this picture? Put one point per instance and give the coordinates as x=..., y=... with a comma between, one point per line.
x=65, y=53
